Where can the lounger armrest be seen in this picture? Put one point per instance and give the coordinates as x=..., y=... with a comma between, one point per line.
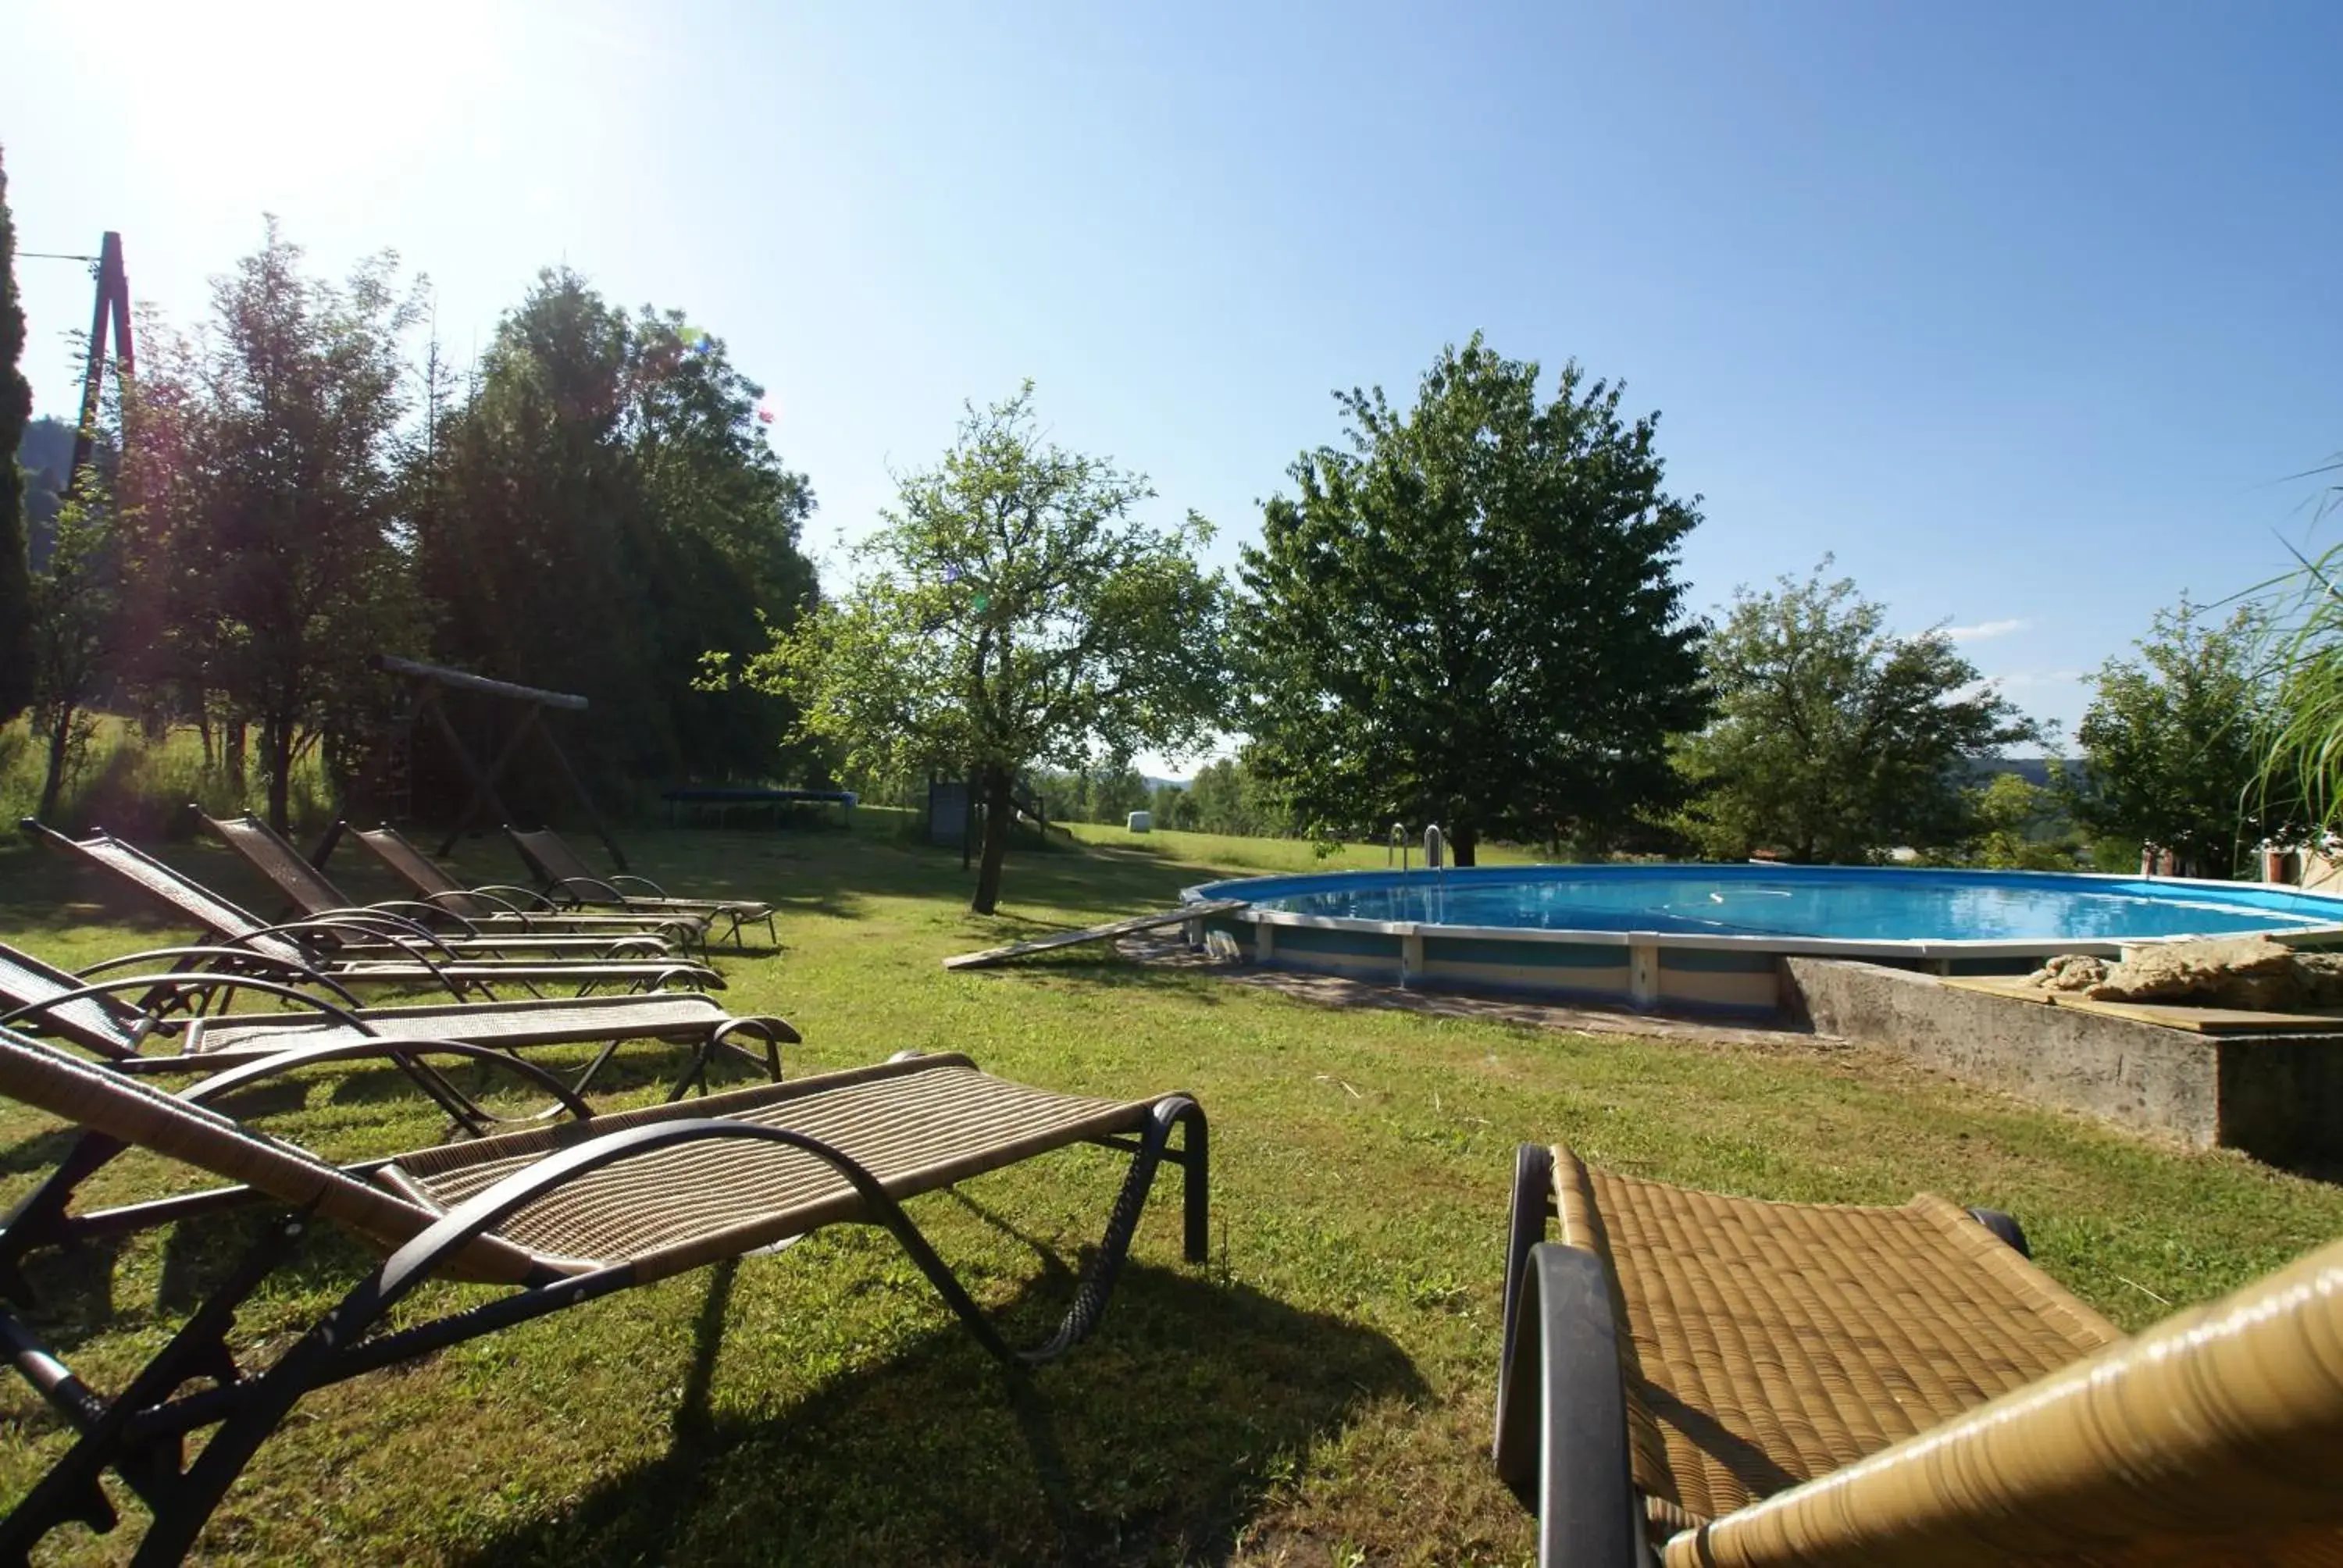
x=764, y=1026
x=188, y=962
x=1561, y=1415
x=518, y=899
x=420, y=914
x=336, y=931
x=191, y=980
x=413, y=1263
x=382, y=925
x=402, y=1051
x=609, y=891
x=452, y=903
x=619, y=879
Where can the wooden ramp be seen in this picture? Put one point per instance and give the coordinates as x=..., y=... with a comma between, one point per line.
x=2165, y=1014
x=1107, y=932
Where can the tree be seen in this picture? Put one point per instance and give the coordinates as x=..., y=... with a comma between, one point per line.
x=1836, y=740
x=1169, y=807
x=1010, y=614
x=2173, y=744
x=1472, y=614
x=2021, y=827
x=75, y=623
x=1225, y=797
x=16, y=408
x=601, y=512
x=264, y=491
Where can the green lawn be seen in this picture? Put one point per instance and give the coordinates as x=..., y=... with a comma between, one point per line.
x=1319, y=1393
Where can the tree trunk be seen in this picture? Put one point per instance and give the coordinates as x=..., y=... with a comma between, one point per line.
x=60, y=742
x=277, y=744
x=232, y=752
x=1461, y=845
x=997, y=810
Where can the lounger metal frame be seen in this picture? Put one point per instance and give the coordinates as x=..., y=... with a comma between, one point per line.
x=140, y=1434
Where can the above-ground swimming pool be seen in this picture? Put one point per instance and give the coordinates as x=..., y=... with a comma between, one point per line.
x=1713, y=936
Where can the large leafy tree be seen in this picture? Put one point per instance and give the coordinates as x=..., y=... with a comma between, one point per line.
x=2173, y=744
x=1471, y=614
x=1834, y=740
x=16, y=408
x=1012, y=613
x=265, y=490
x=602, y=511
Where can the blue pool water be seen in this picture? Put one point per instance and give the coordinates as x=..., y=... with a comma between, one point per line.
x=1837, y=904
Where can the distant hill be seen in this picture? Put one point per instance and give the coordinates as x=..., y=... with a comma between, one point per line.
x=2034, y=771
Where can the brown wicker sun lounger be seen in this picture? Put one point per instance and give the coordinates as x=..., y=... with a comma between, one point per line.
x=569, y=877
x=562, y=1215
x=1754, y=1384
x=177, y=1025
x=492, y=902
x=267, y=852
x=360, y=950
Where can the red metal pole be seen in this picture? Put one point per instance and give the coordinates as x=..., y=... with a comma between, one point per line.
x=112, y=306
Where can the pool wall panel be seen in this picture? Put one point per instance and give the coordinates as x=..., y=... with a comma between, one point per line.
x=1551, y=968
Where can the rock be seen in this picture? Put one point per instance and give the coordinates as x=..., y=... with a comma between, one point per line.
x=2274, y=992
x=2069, y=971
x=2321, y=974
x=2172, y=971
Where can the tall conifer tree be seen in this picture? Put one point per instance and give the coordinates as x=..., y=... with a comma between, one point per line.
x=16, y=408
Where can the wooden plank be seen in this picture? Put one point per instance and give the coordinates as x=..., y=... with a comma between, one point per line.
x=2011, y=986
x=2163, y=1014
x=465, y=680
x=1094, y=933
x=2207, y=1020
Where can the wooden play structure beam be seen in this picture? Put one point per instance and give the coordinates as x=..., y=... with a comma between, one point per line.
x=431, y=682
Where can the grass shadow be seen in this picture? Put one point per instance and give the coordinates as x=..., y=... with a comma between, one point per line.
x=1156, y=1442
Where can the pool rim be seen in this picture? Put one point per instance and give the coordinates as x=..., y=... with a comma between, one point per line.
x=1921, y=948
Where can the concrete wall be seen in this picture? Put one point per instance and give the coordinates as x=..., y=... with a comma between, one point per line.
x=2279, y=1099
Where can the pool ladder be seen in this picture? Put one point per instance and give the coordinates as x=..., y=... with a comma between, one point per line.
x=1435, y=858
x=1435, y=847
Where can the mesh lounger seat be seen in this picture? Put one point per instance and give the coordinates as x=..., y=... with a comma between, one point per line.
x=430, y=882
x=176, y=1030
x=1754, y=1383
x=351, y=949
x=566, y=875
x=267, y=852
x=562, y=1215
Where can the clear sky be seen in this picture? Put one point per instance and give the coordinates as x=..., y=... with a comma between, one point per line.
x=2024, y=313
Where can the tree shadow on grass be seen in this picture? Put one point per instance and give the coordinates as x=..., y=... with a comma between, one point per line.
x=1154, y=1441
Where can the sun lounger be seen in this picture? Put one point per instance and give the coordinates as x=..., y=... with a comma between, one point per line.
x=430, y=882
x=176, y=1027
x=352, y=949
x=267, y=852
x=562, y=1215
x=564, y=874
x=1754, y=1384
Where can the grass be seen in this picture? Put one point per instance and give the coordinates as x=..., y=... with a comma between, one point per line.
x=1319, y=1393
x=139, y=788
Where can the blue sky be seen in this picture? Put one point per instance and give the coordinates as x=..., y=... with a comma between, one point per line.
x=2025, y=314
